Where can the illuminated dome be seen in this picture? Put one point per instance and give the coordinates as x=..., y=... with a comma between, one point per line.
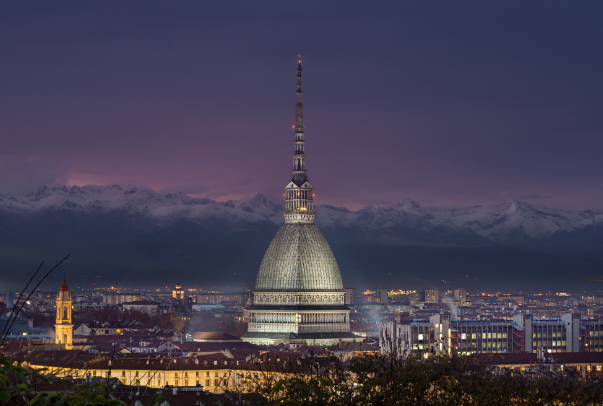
x=298, y=294
x=299, y=259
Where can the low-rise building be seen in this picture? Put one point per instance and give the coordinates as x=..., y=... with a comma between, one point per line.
x=146, y=306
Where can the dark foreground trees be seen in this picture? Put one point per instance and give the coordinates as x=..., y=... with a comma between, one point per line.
x=292, y=379
x=417, y=379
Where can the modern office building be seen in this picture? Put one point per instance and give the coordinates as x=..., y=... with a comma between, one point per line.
x=569, y=333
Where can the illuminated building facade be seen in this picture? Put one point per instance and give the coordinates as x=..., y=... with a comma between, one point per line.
x=299, y=294
x=178, y=293
x=524, y=334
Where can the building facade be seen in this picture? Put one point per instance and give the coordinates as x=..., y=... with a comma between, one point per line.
x=460, y=296
x=569, y=333
x=238, y=298
x=119, y=298
x=147, y=306
x=299, y=293
x=350, y=296
x=178, y=292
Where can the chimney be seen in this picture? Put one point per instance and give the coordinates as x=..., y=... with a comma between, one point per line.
x=174, y=390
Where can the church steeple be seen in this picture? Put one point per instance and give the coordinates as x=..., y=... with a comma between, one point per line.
x=63, y=326
x=299, y=192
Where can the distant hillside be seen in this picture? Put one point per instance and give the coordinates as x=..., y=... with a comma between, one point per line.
x=139, y=236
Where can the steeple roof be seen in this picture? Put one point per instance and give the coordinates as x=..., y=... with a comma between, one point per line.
x=64, y=286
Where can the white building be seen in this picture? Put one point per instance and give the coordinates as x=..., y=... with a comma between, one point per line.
x=299, y=294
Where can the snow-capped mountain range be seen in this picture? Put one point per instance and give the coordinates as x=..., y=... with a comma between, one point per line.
x=503, y=223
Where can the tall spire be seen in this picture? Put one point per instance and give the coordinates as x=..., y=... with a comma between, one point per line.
x=299, y=158
x=299, y=191
x=299, y=116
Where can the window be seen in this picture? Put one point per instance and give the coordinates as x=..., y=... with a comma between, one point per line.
x=463, y=336
x=137, y=382
x=329, y=300
x=207, y=373
x=305, y=300
x=321, y=300
x=176, y=375
x=93, y=373
x=197, y=374
x=261, y=300
x=473, y=336
x=313, y=300
x=337, y=299
x=186, y=374
x=215, y=374
x=420, y=336
x=123, y=373
x=186, y=382
x=176, y=382
x=137, y=374
x=216, y=382
x=207, y=382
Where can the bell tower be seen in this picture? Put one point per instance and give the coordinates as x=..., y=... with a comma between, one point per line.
x=64, y=327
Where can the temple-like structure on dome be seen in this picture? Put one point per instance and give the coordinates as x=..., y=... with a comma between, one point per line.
x=299, y=295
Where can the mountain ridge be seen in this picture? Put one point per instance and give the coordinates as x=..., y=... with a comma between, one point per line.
x=137, y=236
x=502, y=223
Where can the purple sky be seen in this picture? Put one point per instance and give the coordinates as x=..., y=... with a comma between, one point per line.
x=443, y=102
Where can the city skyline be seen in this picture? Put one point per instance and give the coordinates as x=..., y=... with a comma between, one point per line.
x=448, y=106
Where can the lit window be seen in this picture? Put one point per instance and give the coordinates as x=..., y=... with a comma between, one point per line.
x=420, y=336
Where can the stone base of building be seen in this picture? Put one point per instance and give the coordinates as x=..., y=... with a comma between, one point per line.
x=321, y=339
